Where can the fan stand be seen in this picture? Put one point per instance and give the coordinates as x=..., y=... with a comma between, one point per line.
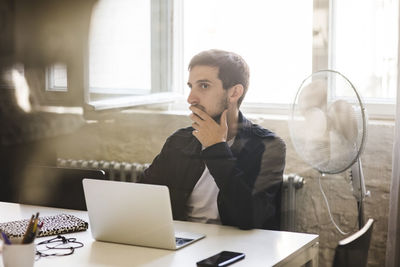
x=327, y=205
x=360, y=207
x=359, y=191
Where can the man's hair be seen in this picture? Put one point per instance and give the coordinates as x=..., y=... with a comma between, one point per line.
x=232, y=69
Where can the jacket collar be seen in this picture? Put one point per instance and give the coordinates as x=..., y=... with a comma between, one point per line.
x=244, y=130
x=247, y=130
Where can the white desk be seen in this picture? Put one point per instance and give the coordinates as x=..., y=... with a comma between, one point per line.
x=262, y=247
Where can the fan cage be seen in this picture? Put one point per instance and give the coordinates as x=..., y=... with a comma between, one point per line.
x=330, y=97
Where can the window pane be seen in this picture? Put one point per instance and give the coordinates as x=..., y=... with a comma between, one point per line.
x=120, y=47
x=364, y=48
x=57, y=79
x=274, y=37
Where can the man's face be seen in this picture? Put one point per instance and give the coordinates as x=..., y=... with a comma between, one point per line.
x=206, y=91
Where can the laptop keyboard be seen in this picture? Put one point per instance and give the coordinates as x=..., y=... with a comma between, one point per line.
x=180, y=241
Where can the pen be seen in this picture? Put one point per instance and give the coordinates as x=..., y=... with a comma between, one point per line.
x=32, y=234
x=5, y=238
x=39, y=227
x=36, y=222
x=29, y=229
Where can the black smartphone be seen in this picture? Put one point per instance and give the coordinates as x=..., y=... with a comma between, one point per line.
x=224, y=258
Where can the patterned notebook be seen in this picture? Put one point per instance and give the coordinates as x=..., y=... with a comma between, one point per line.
x=52, y=225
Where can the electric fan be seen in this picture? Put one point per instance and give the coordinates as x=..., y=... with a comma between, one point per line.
x=328, y=129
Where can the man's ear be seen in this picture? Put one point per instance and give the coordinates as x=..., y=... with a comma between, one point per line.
x=236, y=92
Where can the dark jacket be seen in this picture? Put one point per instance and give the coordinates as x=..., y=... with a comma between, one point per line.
x=248, y=174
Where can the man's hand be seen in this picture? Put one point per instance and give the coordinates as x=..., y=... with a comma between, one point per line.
x=207, y=130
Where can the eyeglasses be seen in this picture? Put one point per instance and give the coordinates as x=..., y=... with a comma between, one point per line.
x=57, y=246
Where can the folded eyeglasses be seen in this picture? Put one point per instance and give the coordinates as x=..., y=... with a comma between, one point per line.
x=57, y=246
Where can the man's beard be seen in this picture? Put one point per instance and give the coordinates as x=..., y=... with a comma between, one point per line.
x=224, y=105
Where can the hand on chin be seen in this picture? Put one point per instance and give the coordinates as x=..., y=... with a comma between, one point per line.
x=206, y=129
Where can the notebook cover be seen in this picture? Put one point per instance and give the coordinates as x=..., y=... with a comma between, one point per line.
x=52, y=225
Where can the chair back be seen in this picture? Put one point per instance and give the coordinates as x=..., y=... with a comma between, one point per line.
x=56, y=186
x=353, y=250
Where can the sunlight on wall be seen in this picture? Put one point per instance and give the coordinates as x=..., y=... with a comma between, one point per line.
x=21, y=90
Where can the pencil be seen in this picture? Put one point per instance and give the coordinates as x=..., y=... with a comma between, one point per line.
x=28, y=230
x=36, y=222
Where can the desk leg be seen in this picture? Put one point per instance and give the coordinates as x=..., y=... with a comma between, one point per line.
x=306, y=257
x=313, y=262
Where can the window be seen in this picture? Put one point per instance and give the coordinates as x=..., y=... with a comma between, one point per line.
x=285, y=41
x=120, y=48
x=57, y=78
x=140, y=49
x=129, y=55
x=365, y=49
x=274, y=37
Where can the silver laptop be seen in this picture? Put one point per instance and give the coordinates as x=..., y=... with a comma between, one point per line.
x=134, y=214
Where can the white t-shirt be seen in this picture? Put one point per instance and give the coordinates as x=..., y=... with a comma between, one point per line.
x=202, y=203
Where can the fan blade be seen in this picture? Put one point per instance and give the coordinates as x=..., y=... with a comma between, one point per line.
x=342, y=118
x=313, y=95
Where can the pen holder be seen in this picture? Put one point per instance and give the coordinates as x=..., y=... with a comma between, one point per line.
x=19, y=255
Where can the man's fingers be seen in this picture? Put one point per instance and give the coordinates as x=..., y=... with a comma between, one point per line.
x=201, y=114
x=195, y=133
x=195, y=118
x=196, y=126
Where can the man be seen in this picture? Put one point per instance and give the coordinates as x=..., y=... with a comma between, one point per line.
x=223, y=169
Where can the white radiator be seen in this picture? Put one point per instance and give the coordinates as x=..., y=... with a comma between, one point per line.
x=117, y=171
x=291, y=183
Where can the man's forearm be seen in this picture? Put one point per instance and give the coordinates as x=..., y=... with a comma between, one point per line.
x=247, y=192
